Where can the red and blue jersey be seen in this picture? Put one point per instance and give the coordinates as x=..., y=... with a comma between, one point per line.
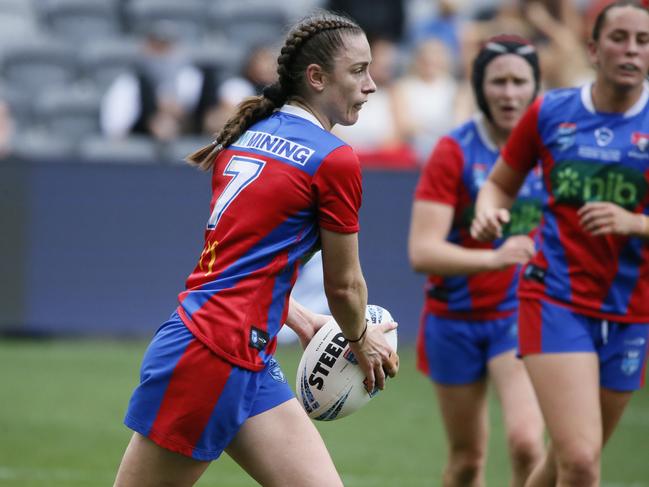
x=586, y=156
x=273, y=189
x=453, y=175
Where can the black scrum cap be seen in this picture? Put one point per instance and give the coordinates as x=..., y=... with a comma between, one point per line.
x=491, y=49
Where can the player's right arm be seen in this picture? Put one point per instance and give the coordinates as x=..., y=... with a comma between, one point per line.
x=495, y=198
x=497, y=194
x=433, y=212
x=346, y=293
x=431, y=253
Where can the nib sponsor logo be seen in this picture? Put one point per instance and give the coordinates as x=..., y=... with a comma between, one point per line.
x=579, y=182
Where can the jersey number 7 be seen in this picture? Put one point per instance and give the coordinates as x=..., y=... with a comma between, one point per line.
x=243, y=171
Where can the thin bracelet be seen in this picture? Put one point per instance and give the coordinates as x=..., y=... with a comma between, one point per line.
x=359, y=338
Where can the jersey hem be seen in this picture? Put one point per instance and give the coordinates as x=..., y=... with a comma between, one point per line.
x=474, y=315
x=239, y=362
x=337, y=229
x=583, y=310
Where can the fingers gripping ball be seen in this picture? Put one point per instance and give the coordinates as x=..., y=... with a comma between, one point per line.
x=329, y=382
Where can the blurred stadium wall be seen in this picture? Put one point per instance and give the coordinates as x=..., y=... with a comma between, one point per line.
x=103, y=249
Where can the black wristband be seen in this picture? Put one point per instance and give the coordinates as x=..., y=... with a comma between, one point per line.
x=359, y=338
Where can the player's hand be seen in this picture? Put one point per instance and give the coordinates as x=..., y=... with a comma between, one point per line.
x=604, y=218
x=515, y=250
x=311, y=327
x=488, y=224
x=375, y=356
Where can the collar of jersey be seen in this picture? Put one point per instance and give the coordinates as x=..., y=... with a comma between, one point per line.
x=480, y=124
x=300, y=112
x=638, y=106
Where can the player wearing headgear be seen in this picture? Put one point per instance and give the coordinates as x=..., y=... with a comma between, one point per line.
x=468, y=328
x=283, y=186
x=584, y=311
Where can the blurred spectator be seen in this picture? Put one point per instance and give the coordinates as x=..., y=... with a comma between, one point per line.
x=425, y=98
x=445, y=24
x=563, y=48
x=259, y=70
x=158, y=99
x=374, y=136
x=384, y=17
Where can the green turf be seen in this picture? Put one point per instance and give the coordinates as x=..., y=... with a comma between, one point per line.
x=61, y=407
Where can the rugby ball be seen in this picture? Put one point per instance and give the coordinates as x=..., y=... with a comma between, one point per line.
x=329, y=382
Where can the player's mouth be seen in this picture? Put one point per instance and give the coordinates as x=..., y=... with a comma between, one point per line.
x=629, y=68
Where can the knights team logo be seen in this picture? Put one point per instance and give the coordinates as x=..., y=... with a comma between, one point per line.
x=640, y=140
x=603, y=136
x=630, y=362
x=566, y=135
x=275, y=371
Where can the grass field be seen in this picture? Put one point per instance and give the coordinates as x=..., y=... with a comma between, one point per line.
x=62, y=402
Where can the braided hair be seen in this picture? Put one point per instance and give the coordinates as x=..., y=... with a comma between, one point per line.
x=314, y=40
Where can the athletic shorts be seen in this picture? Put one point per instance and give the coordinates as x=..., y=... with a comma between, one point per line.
x=456, y=352
x=546, y=327
x=193, y=402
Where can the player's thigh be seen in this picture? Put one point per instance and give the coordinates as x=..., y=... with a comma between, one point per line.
x=521, y=412
x=613, y=404
x=282, y=447
x=147, y=464
x=464, y=412
x=567, y=388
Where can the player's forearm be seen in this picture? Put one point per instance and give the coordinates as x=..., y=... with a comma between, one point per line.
x=347, y=301
x=444, y=258
x=642, y=226
x=492, y=196
x=300, y=319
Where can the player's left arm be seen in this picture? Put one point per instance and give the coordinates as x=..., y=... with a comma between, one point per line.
x=304, y=322
x=605, y=218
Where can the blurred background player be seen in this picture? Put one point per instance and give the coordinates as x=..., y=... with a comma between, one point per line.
x=584, y=308
x=282, y=186
x=468, y=330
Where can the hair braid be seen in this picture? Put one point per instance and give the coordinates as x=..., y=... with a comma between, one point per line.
x=315, y=40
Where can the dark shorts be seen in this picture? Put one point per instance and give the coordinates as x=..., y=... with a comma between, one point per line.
x=193, y=402
x=456, y=352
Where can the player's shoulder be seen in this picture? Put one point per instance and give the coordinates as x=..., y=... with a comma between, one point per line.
x=560, y=98
x=295, y=138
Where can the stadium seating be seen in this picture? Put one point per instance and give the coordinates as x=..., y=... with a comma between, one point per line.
x=80, y=20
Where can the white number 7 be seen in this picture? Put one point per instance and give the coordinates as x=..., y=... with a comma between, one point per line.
x=243, y=171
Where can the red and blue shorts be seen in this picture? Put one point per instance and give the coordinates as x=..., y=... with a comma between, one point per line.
x=456, y=352
x=547, y=327
x=192, y=401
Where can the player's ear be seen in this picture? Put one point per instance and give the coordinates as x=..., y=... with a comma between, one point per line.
x=315, y=77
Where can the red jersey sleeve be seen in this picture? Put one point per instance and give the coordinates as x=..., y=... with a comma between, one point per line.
x=337, y=185
x=441, y=176
x=523, y=147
